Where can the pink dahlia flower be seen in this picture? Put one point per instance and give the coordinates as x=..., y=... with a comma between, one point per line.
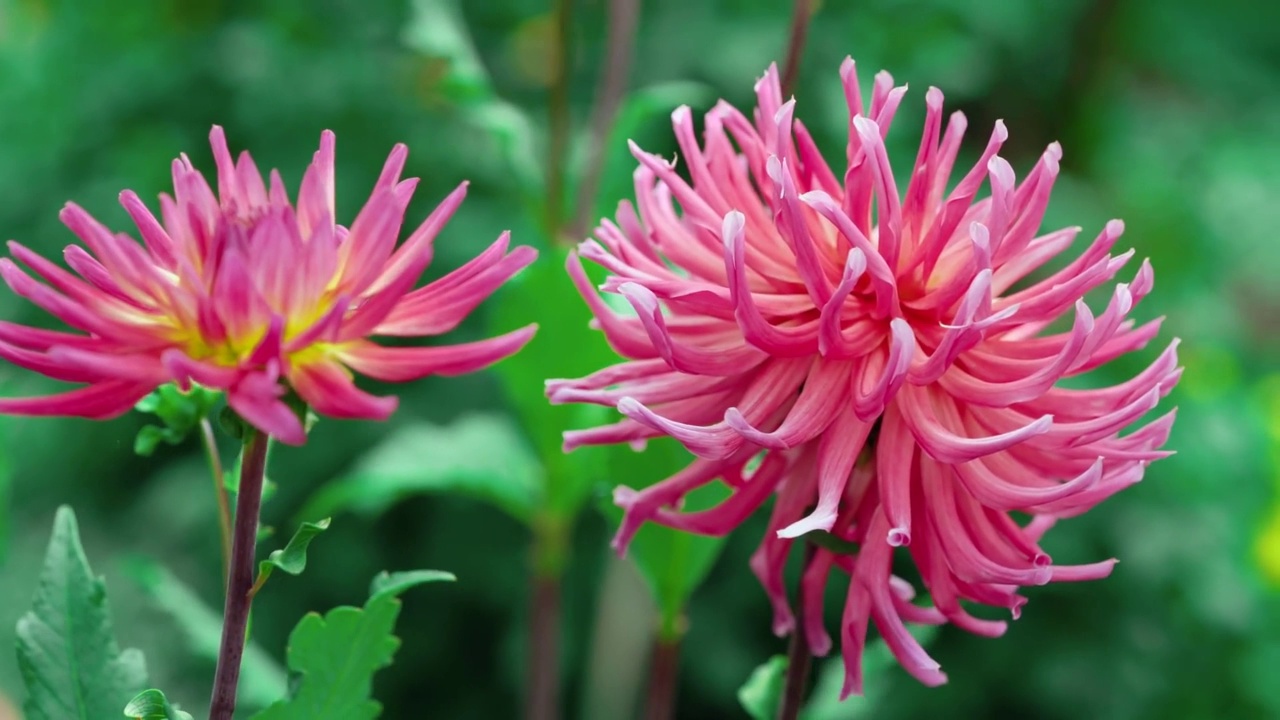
x=242, y=292
x=868, y=357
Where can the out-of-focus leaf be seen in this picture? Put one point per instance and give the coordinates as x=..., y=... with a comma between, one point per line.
x=292, y=558
x=153, y=705
x=480, y=455
x=762, y=692
x=262, y=680
x=179, y=412
x=6, y=476
x=672, y=562
x=67, y=652
x=565, y=347
x=333, y=658
x=877, y=661
x=438, y=32
x=643, y=112
x=394, y=583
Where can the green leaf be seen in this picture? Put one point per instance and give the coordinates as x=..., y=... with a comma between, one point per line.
x=565, y=347
x=179, y=411
x=673, y=563
x=6, y=477
x=644, y=112
x=829, y=541
x=293, y=557
x=153, y=705
x=67, y=651
x=762, y=693
x=878, y=667
x=262, y=679
x=333, y=658
x=479, y=455
x=385, y=583
x=437, y=31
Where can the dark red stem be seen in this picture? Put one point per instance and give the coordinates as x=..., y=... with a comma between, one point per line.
x=244, y=538
x=664, y=679
x=542, y=701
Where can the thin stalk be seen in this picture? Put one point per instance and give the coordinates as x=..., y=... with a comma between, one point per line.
x=542, y=681
x=664, y=677
x=798, y=662
x=558, y=112
x=799, y=659
x=219, y=491
x=624, y=16
x=235, y=616
x=801, y=14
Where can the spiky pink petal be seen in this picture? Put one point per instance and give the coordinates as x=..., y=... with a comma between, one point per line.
x=867, y=344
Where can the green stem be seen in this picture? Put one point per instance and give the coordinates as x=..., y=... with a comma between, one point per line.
x=210, y=443
x=235, y=617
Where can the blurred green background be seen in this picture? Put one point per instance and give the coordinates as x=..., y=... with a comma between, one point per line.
x=1169, y=113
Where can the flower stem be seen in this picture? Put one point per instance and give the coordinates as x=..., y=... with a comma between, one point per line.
x=219, y=491
x=235, y=617
x=801, y=13
x=664, y=677
x=798, y=661
x=542, y=681
x=624, y=16
x=558, y=108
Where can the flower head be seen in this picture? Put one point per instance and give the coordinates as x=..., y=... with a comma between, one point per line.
x=243, y=292
x=869, y=357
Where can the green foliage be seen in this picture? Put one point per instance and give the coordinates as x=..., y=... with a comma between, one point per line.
x=262, y=679
x=436, y=30
x=153, y=705
x=292, y=558
x=543, y=292
x=673, y=563
x=67, y=651
x=179, y=412
x=479, y=455
x=333, y=658
x=761, y=694
x=644, y=112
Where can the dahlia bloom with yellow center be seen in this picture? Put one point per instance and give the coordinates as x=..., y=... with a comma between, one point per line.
x=243, y=292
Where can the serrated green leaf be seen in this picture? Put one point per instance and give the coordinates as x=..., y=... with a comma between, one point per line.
x=153, y=705
x=292, y=558
x=67, y=652
x=397, y=582
x=262, y=679
x=762, y=692
x=565, y=347
x=333, y=658
x=673, y=563
x=480, y=455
